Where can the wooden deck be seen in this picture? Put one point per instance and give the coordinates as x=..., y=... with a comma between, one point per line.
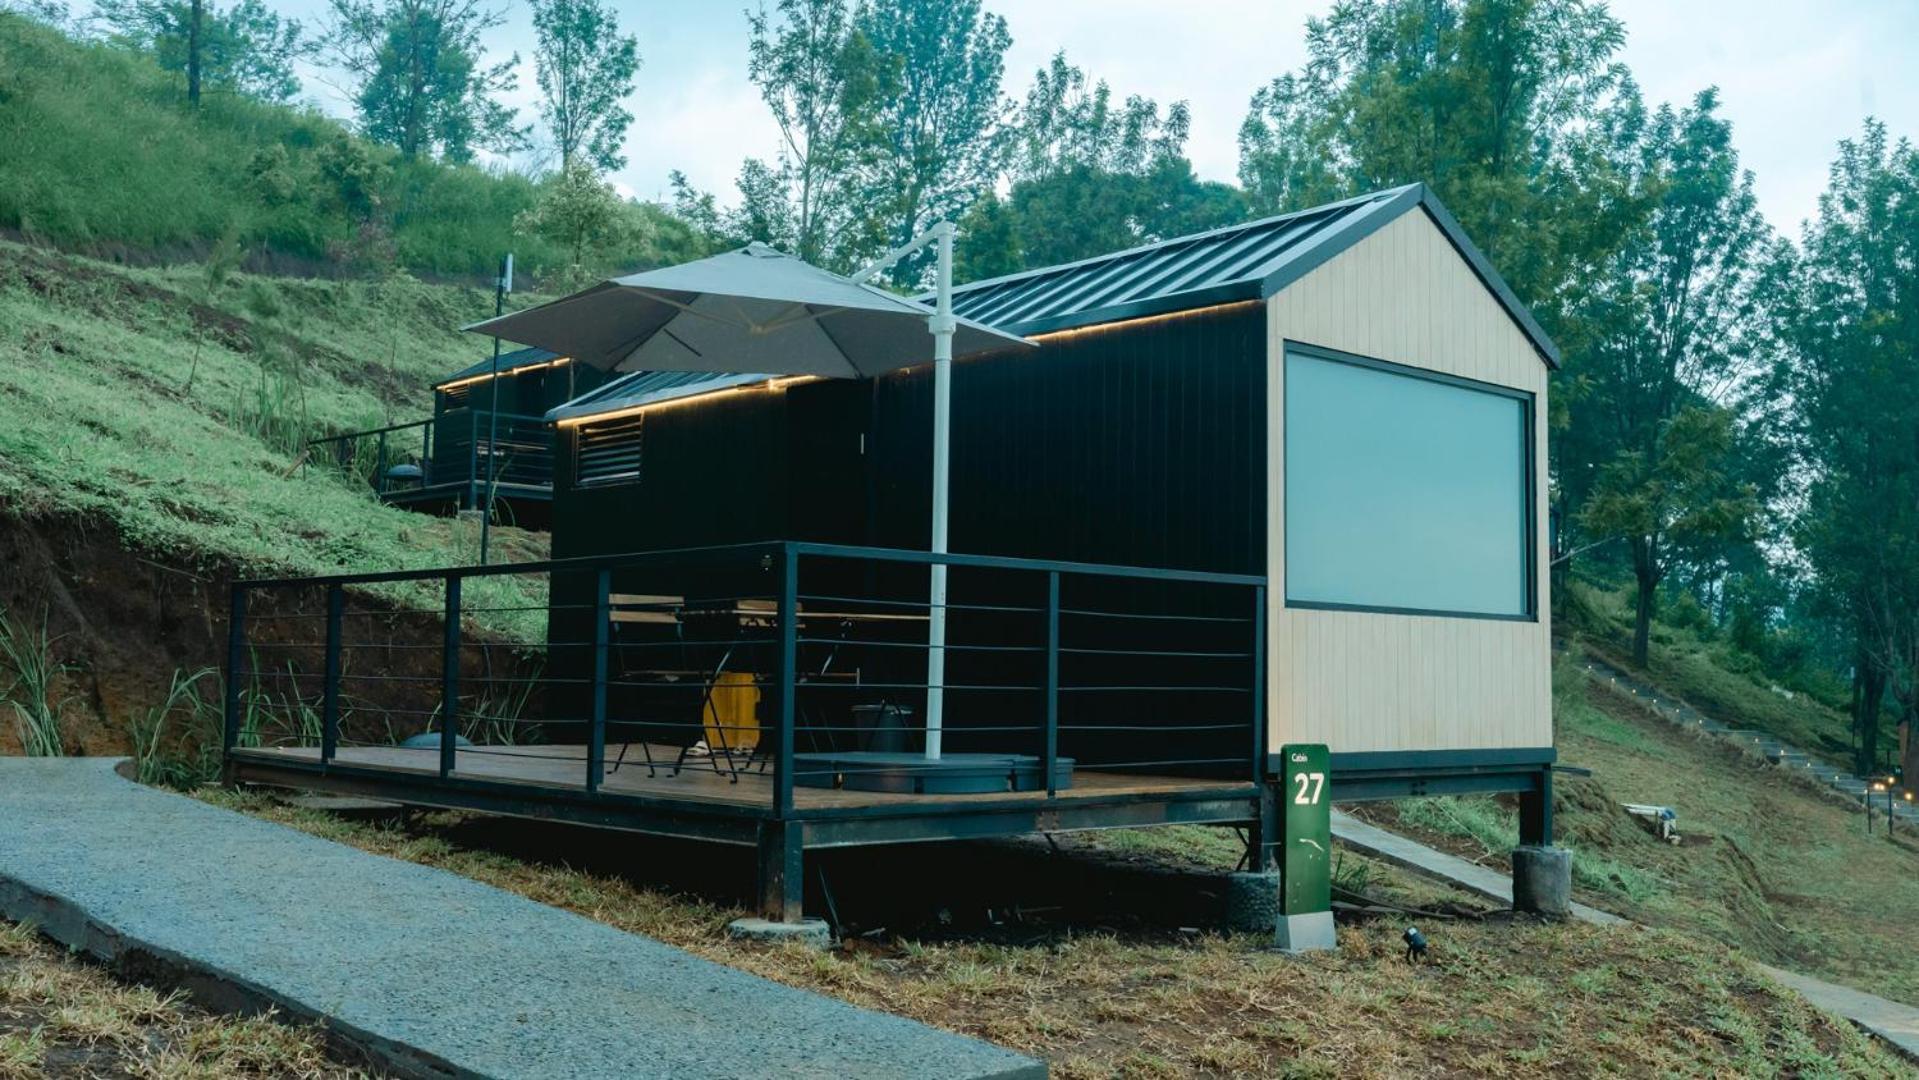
x=564, y=768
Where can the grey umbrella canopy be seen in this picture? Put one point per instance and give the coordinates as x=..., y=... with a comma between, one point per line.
x=754, y=309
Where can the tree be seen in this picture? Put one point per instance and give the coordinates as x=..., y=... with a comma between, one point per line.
x=585, y=70
x=1849, y=331
x=419, y=83
x=1090, y=177
x=821, y=78
x=581, y=213
x=1670, y=332
x=1485, y=100
x=241, y=48
x=938, y=120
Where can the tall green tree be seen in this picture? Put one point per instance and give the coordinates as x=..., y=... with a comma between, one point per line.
x=1090, y=175
x=1486, y=100
x=418, y=78
x=242, y=47
x=1849, y=327
x=822, y=80
x=939, y=118
x=585, y=68
x=1671, y=340
x=583, y=215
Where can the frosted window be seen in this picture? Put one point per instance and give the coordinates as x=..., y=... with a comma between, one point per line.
x=1403, y=492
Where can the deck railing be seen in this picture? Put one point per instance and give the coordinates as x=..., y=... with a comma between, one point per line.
x=459, y=452
x=749, y=675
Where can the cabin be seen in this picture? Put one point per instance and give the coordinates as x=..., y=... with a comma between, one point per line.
x=488, y=428
x=1347, y=401
x=1279, y=483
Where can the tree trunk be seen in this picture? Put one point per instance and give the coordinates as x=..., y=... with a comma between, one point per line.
x=1872, y=696
x=1909, y=749
x=193, y=52
x=1646, y=578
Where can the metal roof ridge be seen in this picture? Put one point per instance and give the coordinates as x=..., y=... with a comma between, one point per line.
x=1181, y=240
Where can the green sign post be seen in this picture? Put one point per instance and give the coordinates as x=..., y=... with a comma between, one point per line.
x=1306, y=838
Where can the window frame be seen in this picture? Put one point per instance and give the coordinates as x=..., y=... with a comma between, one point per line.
x=1529, y=482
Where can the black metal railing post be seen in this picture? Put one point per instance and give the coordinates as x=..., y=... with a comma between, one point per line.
x=450, y=679
x=330, y=686
x=596, y=736
x=1259, y=683
x=473, y=459
x=426, y=451
x=1050, y=757
x=236, y=657
x=788, y=664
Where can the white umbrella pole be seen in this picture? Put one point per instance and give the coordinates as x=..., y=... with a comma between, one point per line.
x=943, y=399
x=942, y=325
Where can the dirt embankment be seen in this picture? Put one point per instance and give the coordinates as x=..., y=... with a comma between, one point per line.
x=123, y=622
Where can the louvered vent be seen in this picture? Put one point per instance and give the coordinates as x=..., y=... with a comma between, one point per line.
x=455, y=396
x=610, y=451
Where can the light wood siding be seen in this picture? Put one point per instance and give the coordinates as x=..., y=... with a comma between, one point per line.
x=1361, y=681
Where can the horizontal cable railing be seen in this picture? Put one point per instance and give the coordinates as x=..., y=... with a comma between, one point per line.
x=759, y=675
x=462, y=451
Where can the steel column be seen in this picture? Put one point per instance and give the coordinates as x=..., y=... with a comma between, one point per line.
x=330, y=686
x=596, y=737
x=1536, y=811
x=1050, y=755
x=236, y=657
x=782, y=876
x=1260, y=764
x=450, y=679
x=785, y=680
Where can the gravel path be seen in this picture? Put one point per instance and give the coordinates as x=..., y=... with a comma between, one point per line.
x=432, y=973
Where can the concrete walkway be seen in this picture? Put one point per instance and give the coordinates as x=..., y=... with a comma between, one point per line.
x=1891, y=1021
x=433, y=974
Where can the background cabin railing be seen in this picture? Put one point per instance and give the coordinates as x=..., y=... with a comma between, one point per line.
x=745, y=675
x=451, y=453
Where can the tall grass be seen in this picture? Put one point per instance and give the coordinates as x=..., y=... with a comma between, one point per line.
x=177, y=742
x=31, y=695
x=101, y=151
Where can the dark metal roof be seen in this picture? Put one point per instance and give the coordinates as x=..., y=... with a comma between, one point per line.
x=518, y=358
x=1241, y=262
x=648, y=388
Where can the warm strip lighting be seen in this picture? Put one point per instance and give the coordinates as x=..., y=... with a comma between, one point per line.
x=1143, y=320
x=767, y=387
x=784, y=382
x=484, y=376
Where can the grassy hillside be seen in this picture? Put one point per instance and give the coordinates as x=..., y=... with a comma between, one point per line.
x=1716, y=677
x=103, y=156
x=1771, y=865
x=174, y=409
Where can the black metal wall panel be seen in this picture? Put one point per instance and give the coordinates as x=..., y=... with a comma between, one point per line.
x=1141, y=444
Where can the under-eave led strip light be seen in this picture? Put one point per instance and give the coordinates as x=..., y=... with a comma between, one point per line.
x=484, y=376
x=786, y=381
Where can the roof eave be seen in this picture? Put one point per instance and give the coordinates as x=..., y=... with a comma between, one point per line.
x=1372, y=219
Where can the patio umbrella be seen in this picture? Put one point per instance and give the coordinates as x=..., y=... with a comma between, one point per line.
x=761, y=310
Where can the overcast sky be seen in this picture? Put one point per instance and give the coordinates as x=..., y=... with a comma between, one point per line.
x=1796, y=76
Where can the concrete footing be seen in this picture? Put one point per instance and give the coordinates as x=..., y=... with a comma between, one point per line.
x=1543, y=880
x=811, y=932
x=1252, y=902
x=1312, y=932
